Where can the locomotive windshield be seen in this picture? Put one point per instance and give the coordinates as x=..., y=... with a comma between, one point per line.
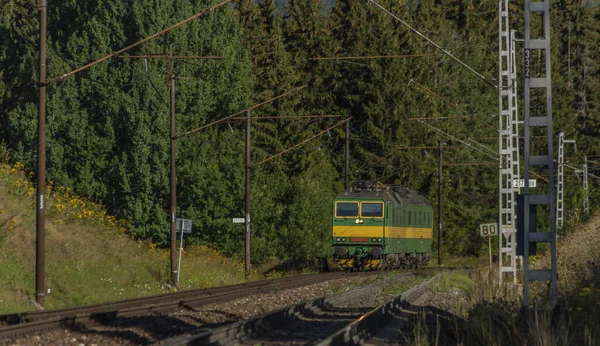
x=343, y=209
x=371, y=209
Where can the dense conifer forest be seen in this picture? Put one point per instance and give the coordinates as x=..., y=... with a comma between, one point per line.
x=108, y=127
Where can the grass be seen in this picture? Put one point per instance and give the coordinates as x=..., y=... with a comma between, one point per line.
x=454, y=280
x=456, y=261
x=489, y=313
x=492, y=313
x=397, y=288
x=90, y=258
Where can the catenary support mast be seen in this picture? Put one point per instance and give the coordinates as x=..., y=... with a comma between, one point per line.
x=537, y=38
x=506, y=127
x=560, y=185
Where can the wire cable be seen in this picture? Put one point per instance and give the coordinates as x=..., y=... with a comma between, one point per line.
x=463, y=142
x=455, y=106
x=434, y=44
x=304, y=141
x=85, y=67
x=242, y=111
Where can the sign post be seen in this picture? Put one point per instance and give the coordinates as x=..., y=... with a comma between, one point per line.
x=521, y=183
x=184, y=226
x=489, y=230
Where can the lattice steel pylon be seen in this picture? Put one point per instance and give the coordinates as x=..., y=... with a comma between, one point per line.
x=508, y=119
x=514, y=116
x=561, y=179
x=540, y=85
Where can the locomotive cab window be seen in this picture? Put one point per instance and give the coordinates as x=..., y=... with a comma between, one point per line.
x=346, y=209
x=371, y=209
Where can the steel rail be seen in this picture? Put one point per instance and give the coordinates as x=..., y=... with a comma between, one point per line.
x=368, y=324
x=24, y=323
x=249, y=328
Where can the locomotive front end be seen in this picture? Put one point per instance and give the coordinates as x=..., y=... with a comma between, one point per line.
x=358, y=232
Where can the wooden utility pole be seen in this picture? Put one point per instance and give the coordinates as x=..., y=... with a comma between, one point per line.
x=40, y=224
x=247, y=195
x=40, y=289
x=173, y=171
x=247, y=189
x=440, y=204
x=347, y=163
x=173, y=174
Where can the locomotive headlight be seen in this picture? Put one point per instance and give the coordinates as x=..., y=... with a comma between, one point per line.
x=343, y=239
x=337, y=239
x=357, y=221
x=379, y=240
x=373, y=240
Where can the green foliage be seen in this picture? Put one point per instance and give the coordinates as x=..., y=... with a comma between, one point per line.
x=78, y=273
x=108, y=127
x=454, y=280
x=4, y=153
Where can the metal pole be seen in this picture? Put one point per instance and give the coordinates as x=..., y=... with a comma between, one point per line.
x=40, y=263
x=347, y=164
x=586, y=198
x=490, y=250
x=440, y=205
x=180, y=253
x=173, y=177
x=247, y=220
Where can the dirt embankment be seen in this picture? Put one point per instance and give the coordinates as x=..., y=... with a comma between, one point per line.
x=578, y=256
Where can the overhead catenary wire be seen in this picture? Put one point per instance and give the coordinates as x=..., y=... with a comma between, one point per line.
x=401, y=147
x=304, y=141
x=372, y=57
x=434, y=44
x=472, y=163
x=85, y=67
x=463, y=142
x=577, y=169
x=174, y=57
x=242, y=111
x=445, y=100
x=439, y=118
x=289, y=117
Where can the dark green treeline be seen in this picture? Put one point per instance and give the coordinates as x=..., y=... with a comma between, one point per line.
x=108, y=127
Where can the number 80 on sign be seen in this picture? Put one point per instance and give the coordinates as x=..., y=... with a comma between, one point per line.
x=488, y=229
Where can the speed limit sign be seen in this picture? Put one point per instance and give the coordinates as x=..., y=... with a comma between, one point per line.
x=488, y=229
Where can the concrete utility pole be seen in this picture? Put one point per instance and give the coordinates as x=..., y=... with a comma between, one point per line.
x=40, y=221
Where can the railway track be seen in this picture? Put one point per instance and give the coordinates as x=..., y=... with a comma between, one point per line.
x=14, y=325
x=324, y=321
x=162, y=317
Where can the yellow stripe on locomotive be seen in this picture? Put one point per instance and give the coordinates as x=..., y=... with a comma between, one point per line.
x=381, y=227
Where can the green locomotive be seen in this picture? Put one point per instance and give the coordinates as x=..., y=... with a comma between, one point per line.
x=379, y=226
